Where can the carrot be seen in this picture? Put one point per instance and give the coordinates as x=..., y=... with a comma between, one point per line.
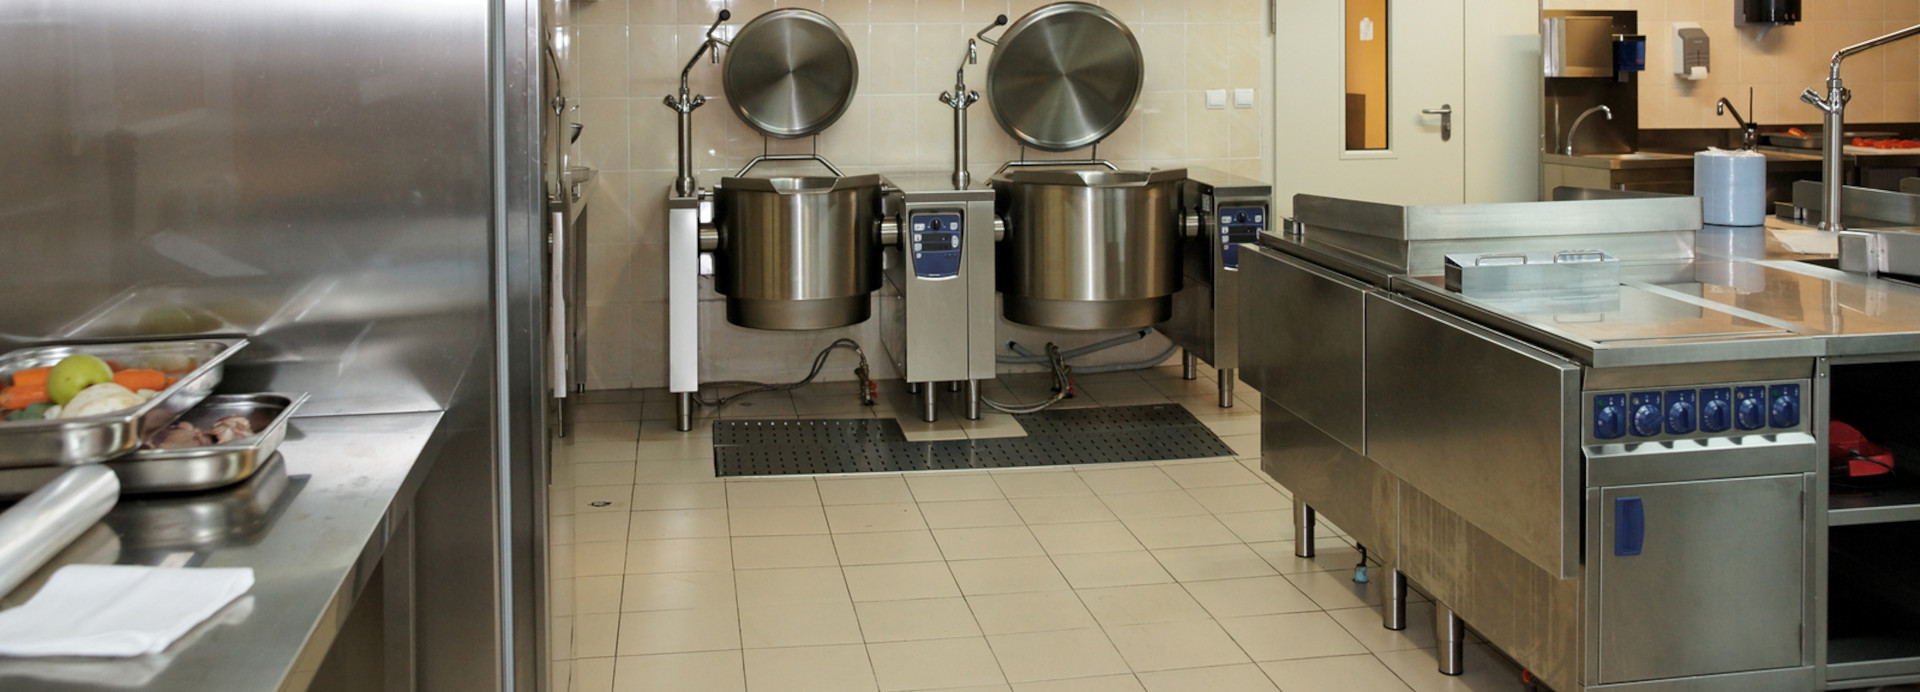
x=137, y=380
x=21, y=396
x=32, y=376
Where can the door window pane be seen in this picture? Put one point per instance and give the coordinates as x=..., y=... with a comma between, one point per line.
x=1366, y=71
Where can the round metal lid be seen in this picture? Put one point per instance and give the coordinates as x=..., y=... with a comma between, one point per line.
x=790, y=73
x=1064, y=76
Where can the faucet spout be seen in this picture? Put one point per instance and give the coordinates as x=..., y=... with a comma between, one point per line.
x=684, y=184
x=1749, y=132
x=960, y=100
x=1834, y=105
x=1568, y=149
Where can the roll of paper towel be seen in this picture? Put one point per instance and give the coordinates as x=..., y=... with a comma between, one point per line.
x=1732, y=186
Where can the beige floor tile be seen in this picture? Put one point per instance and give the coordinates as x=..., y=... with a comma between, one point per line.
x=1038, y=611
x=678, y=631
x=1364, y=625
x=987, y=542
x=866, y=518
x=1336, y=590
x=1153, y=505
x=708, y=671
x=901, y=582
x=1138, y=479
x=595, y=635
x=599, y=594
x=1062, y=510
x=772, y=552
x=964, y=514
x=600, y=526
x=870, y=490
x=607, y=431
x=810, y=669
x=1173, y=645
x=560, y=638
x=992, y=425
x=1056, y=655
x=1094, y=537
x=1141, y=605
x=560, y=561
x=560, y=675
x=798, y=492
x=1006, y=575
x=1330, y=554
x=1240, y=678
x=758, y=587
x=1256, y=497
x=1049, y=483
x=1229, y=598
x=677, y=523
x=1291, y=635
x=679, y=555
x=1486, y=671
x=798, y=624
x=593, y=674
x=950, y=487
x=1258, y=527
x=1246, y=444
x=1098, y=570
x=588, y=499
x=677, y=591
x=1181, y=532
x=1335, y=674
x=608, y=473
x=561, y=598
x=681, y=448
x=673, y=471
x=584, y=452
x=886, y=547
x=599, y=558
x=928, y=618
x=842, y=406
x=1212, y=474
x=679, y=496
x=777, y=521
x=934, y=664
x=1232, y=426
x=1212, y=562
x=1104, y=683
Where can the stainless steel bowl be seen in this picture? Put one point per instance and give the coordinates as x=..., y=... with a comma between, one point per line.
x=798, y=253
x=1089, y=249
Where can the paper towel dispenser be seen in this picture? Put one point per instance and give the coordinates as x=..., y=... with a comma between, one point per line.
x=1770, y=11
x=1691, y=54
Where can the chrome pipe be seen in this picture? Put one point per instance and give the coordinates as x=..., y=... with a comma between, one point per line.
x=1226, y=376
x=1393, y=609
x=953, y=386
x=929, y=403
x=40, y=526
x=890, y=233
x=1834, y=104
x=1303, y=520
x=1450, y=635
x=1189, y=365
x=683, y=411
x=1568, y=149
x=709, y=239
x=684, y=184
x=973, y=400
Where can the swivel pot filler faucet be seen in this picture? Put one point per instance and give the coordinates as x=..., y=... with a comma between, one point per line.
x=960, y=100
x=1834, y=104
x=685, y=102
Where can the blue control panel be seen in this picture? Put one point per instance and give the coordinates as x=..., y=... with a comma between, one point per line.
x=1240, y=224
x=936, y=244
x=1696, y=412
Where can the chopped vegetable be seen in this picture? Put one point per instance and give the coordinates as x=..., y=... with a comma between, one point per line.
x=105, y=397
x=137, y=380
x=1797, y=132
x=35, y=411
x=19, y=397
x=32, y=376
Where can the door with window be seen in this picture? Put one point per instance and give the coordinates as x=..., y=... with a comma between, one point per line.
x=1407, y=101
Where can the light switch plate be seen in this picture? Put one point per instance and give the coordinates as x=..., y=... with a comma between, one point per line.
x=1242, y=98
x=1216, y=99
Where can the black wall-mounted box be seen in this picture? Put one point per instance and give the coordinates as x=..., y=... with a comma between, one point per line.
x=1770, y=11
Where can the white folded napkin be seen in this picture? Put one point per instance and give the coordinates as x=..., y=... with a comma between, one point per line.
x=117, y=610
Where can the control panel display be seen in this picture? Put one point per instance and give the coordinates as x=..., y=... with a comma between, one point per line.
x=936, y=241
x=1239, y=224
x=1693, y=412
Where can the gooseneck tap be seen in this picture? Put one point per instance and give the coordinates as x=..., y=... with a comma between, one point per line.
x=960, y=100
x=1834, y=104
x=1749, y=132
x=1568, y=149
x=684, y=184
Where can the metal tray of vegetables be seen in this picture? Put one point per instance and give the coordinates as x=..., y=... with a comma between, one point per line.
x=83, y=403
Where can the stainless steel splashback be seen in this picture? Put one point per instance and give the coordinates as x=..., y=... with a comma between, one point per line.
x=312, y=173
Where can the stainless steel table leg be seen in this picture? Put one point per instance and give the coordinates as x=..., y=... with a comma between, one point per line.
x=1393, y=611
x=953, y=386
x=1302, y=529
x=1189, y=365
x=683, y=408
x=1226, y=376
x=930, y=402
x=973, y=400
x=1450, y=633
x=913, y=387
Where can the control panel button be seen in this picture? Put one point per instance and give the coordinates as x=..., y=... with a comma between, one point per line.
x=1680, y=412
x=1240, y=224
x=1750, y=408
x=936, y=243
x=1648, y=419
x=1716, y=410
x=1609, y=416
x=1784, y=411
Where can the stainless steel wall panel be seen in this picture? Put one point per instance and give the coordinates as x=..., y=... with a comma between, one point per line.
x=1303, y=342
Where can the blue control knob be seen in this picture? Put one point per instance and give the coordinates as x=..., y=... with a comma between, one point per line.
x=1647, y=420
x=1680, y=417
x=1715, y=416
x=1785, y=411
x=1609, y=422
x=1750, y=409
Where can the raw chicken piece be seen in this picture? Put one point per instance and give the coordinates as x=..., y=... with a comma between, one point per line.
x=231, y=428
x=181, y=434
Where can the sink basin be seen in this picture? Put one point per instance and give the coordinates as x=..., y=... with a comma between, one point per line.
x=1636, y=159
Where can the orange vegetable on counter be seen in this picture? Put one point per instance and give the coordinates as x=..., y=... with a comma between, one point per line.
x=32, y=376
x=137, y=380
x=20, y=396
x=1797, y=132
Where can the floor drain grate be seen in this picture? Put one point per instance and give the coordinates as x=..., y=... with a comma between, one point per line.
x=1107, y=435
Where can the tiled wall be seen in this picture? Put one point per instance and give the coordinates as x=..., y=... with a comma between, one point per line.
x=1885, y=82
x=630, y=53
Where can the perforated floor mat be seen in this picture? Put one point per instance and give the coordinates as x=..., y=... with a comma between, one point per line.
x=1106, y=435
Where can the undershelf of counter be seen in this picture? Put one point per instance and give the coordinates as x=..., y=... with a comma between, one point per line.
x=1873, y=615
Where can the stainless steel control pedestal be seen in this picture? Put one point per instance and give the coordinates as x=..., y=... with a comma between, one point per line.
x=942, y=327
x=1206, y=317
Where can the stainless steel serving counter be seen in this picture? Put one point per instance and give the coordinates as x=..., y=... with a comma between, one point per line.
x=346, y=501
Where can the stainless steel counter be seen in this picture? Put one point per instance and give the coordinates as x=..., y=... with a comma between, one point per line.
x=351, y=481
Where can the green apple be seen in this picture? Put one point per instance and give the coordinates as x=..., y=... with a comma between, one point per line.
x=74, y=373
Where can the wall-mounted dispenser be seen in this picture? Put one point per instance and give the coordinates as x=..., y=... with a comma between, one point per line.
x=1768, y=14
x=1692, y=54
x=1629, y=54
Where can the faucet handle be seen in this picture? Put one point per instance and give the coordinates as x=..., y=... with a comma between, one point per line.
x=1812, y=98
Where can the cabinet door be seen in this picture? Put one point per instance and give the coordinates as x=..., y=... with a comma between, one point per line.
x=1701, y=577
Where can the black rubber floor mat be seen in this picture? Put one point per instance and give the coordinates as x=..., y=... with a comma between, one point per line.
x=1068, y=436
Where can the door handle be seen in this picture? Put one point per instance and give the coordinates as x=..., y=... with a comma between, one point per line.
x=1445, y=111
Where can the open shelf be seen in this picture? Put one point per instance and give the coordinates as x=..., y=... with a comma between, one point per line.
x=1873, y=616
x=1877, y=399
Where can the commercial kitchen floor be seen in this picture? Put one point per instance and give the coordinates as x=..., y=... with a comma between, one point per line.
x=1175, y=575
